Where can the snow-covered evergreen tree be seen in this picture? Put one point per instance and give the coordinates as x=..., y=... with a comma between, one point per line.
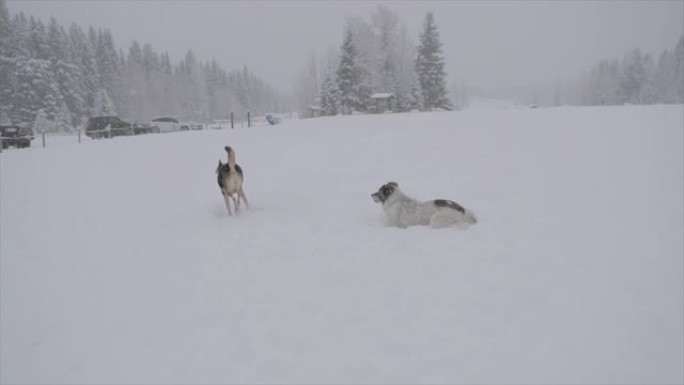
x=366, y=62
x=633, y=76
x=665, y=81
x=67, y=73
x=679, y=70
x=107, y=59
x=37, y=40
x=35, y=90
x=386, y=24
x=416, y=98
x=4, y=119
x=41, y=123
x=329, y=99
x=430, y=67
x=348, y=76
x=63, y=121
x=84, y=58
x=103, y=105
x=7, y=62
x=648, y=94
x=406, y=74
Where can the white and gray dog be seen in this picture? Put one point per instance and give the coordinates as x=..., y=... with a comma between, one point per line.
x=403, y=211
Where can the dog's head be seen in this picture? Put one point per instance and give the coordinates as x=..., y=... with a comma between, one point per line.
x=384, y=192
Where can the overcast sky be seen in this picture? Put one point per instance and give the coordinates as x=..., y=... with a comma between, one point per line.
x=487, y=43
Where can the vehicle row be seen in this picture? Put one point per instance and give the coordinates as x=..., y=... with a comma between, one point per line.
x=111, y=126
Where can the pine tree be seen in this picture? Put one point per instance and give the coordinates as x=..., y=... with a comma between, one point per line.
x=679, y=70
x=415, y=98
x=63, y=121
x=430, y=67
x=37, y=40
x=406, y=74
x=5, y=27
x=386, y=23
x=67, y=74
x=103, y=105
x=329, y=99
x=633, y=76
x=35, y=90
x=109, y=67
x=7, y=62
x=41, y=123
x=133, y=76
x=648, y=93
x=366, y=63
x=84, y=58
x=348, y=76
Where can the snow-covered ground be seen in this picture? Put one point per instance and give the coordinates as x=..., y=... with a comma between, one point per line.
x=119, y=264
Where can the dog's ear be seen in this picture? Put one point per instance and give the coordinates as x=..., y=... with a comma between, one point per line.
x=220, y=164
x=395, y=184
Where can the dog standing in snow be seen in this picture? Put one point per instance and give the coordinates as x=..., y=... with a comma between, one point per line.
x=403, y=211
x=230, y=178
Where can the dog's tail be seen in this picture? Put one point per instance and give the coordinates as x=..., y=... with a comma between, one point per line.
x=470, y=217
x=231, y=157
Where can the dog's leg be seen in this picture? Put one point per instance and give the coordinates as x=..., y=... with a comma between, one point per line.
x=236, y=203
x=227, y=200
x=241, y=194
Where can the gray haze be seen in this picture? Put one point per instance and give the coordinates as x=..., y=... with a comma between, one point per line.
x=491, y=44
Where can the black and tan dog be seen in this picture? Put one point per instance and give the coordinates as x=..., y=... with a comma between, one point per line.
x=230, y=178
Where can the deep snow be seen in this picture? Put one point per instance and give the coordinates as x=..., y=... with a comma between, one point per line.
x=118, y=263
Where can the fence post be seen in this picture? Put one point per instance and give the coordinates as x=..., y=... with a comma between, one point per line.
x=43, y=139
x=0, y=143
x=79, y=135
x=231, y=120
x=249, y=119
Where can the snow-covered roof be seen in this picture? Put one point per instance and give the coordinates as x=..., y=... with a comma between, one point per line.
x=384, y=95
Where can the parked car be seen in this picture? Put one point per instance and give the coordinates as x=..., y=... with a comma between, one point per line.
x=17, y=136
x=219, y=124
x=190, y=126
x=108, y=127
x=140, y=128
x=166, y=124
x=272, y=119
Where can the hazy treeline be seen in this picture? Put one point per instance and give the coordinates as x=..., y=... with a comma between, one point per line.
x=636, y=78
x=65, y=75
x=378, y=56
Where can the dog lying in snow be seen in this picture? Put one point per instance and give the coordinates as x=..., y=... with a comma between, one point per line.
x=230, y=178
x=403, y=211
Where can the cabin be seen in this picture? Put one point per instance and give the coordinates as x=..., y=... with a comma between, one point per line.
x=383, y=102
x=315, y=111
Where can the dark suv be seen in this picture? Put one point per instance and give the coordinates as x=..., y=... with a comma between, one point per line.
x=16, y=136
x=108, y=127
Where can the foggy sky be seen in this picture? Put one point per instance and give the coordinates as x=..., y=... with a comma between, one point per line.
x=487, y=43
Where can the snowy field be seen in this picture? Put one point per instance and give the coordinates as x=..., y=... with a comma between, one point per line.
x=119, y=263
